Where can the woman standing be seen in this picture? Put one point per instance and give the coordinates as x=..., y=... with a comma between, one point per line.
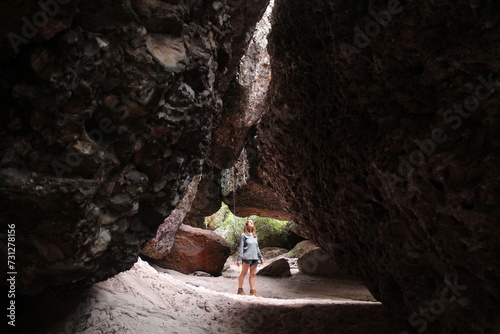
x=249, y=256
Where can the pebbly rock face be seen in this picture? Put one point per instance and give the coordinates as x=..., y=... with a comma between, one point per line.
x=384, y=144
x=107, y=114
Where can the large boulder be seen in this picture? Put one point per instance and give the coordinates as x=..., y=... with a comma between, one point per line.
x=278, y=268
x=300, y=230
x=317, y=262
x=195, y=249
x=272, y=252
x=301, y=248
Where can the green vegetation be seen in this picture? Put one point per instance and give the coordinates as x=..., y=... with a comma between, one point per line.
x=271, y=232
x=227, y=225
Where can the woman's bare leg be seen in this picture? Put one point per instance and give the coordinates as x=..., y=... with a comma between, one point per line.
x=241, y=278
x=251, y=279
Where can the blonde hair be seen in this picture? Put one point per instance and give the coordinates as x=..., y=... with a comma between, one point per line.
x=247, y=229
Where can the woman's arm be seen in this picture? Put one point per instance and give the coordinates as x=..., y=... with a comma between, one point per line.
x=259, y=253
x=242, y=244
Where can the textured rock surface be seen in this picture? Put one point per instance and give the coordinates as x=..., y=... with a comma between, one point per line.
x=300, y=230
x=163, y=242
x=317, y=262
x=107, y=113
x=245, y=190
x=301, y=248
x=234, y=147
x=207, y=200
x=244, y=98
x=193, y=250
x=271, y=252
x=341, y=131
x=278, y=268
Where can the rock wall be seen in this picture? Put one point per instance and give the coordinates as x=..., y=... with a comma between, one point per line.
x=207, y=200
x=245, y=189
x=164, y=239
x=244, y=98
x=234, y=149
x=382, y=136
x=107, y=113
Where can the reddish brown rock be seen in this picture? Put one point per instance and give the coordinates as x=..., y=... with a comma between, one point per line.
x=195, y=249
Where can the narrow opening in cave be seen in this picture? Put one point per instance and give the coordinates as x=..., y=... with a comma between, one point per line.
x=187, y=273
x=180, y=276
x=126, y=123
x=318, y=278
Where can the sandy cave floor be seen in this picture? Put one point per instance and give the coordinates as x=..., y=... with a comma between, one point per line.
x=298, y=286
x=147, y=299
